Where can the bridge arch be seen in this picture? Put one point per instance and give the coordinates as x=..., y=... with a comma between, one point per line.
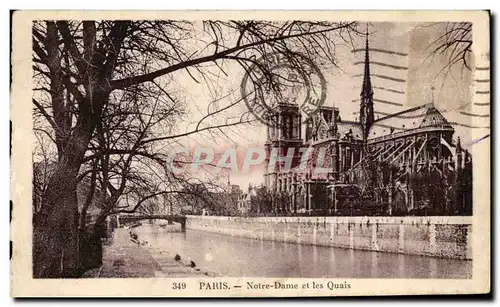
x=181, y=219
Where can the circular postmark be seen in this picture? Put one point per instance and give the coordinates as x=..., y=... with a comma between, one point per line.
x=278, y=79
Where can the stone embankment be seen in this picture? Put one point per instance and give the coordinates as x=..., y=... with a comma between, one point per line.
x=439, y=236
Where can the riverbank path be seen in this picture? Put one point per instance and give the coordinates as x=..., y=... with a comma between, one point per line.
x=126, y=259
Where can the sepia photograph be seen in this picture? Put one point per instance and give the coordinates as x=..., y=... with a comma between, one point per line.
x=232, y=155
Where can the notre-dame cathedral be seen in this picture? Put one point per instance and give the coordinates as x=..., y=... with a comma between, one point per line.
x=406, y=163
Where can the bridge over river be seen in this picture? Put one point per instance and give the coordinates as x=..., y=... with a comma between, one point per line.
x=133, y=218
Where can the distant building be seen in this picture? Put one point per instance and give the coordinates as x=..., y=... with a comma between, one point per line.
x=200, y=199
x=245, y=200
x=403, y=163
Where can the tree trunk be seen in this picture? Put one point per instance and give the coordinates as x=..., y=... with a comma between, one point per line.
x=55, y=226
x=55, y=237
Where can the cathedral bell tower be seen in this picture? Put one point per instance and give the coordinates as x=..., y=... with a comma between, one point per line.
x=283, y=138
x=366, y=116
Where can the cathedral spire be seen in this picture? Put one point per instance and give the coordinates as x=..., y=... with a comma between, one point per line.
x=366, y=115
x=367, y=90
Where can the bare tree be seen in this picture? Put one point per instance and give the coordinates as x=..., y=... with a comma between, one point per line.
x=94, y=78
x=454, y=44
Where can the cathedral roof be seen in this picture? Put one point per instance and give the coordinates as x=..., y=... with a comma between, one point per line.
x=424, y=116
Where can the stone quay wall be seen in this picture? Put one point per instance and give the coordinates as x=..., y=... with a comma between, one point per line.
x=439, y=236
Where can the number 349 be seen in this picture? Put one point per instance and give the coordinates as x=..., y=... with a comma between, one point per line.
x=179, y=285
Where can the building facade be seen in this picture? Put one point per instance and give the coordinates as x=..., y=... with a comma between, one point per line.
x=245, y=200
x=407, y=163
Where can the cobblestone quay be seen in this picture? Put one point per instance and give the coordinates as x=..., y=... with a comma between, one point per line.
x=124, y=258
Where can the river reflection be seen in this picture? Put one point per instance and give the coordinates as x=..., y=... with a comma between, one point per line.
x=242, y=257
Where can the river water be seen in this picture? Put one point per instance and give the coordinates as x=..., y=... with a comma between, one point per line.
x=243, y=257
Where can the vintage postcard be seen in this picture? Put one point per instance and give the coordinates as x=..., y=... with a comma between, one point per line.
x=245, y=154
